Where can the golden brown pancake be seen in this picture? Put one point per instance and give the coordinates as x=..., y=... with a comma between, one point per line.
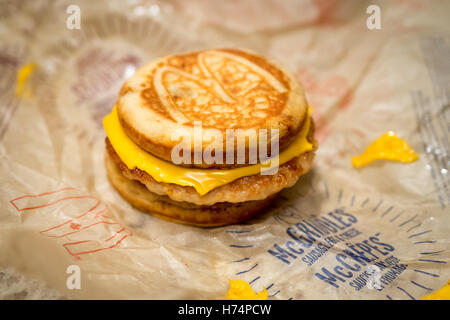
x=222, y=88
x=219, y=214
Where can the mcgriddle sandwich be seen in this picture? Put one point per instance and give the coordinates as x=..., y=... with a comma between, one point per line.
x=208, y=138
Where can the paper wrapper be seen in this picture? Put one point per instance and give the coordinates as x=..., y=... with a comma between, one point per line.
x=380, y=232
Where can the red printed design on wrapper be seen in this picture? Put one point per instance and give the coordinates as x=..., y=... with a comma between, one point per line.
x=89, y=231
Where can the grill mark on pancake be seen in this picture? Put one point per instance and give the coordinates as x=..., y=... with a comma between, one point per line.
x=216, y=89
x=151, y=99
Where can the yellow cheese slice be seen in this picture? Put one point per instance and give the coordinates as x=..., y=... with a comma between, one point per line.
x=22, y=76
x=241, y=290
x=387, y=147
x=442, y=294
x=203, y=180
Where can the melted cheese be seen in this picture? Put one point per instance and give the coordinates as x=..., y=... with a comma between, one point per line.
x=442, y=294
x=387, y=147
x=203, y=180
x=241, y=290
x=22, y=76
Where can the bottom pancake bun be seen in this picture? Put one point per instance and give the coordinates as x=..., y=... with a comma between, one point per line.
x=218, y=214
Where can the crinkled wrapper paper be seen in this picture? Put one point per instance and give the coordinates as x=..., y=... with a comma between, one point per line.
x=379, y=232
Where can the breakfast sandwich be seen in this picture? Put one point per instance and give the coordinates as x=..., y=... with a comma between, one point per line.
x=208, y=138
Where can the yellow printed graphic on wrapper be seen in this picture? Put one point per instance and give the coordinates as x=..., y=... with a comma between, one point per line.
x=22, y=76
x=241, y=290
x=441, y=294
x=387, y=147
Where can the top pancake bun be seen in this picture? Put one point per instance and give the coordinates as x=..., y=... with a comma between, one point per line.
x=222, y=88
